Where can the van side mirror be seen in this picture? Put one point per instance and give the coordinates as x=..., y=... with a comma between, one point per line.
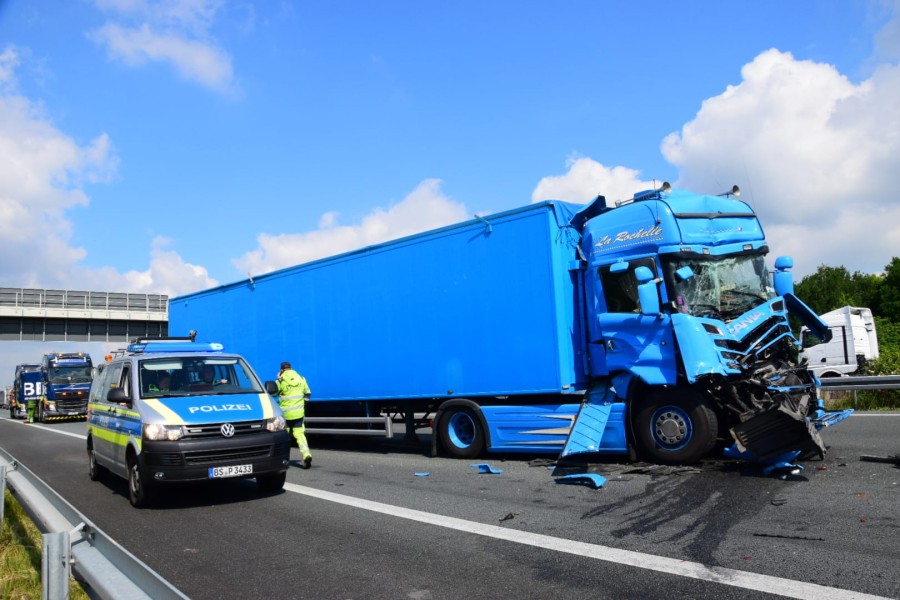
x=272, y=388
x=118, y=396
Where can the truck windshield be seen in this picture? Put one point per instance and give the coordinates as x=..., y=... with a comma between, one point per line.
x=722, y=287
x=70, y=375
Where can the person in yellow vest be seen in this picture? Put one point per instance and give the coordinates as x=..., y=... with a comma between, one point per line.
x=293, y=392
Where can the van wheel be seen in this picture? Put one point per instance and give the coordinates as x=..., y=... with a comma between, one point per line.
x=675, y=427
x=460, y=432
x=140, y=493
x=271, y=482
x=95, y=471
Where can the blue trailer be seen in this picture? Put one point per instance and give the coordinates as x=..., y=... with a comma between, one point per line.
x=648, y=329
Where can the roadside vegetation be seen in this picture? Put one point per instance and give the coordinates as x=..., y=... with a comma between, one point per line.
x=833, y=287
x=20, y=556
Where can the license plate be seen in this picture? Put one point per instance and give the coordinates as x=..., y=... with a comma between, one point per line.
x=232, y=471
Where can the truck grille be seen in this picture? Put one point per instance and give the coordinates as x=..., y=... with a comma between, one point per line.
x=73, y=404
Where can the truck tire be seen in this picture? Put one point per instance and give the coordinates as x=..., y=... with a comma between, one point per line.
x=271, y=482
x=96, y=471
x=140, y=491
x=460, y=432
x=675, y=427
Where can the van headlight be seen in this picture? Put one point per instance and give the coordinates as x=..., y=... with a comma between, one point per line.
x=276, y=424
x=155, y=432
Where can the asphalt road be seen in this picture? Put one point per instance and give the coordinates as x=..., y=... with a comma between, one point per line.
x=380, y=519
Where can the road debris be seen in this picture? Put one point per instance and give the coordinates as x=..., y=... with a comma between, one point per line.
x=591, y=479
x=892, y=459
x=485, y=468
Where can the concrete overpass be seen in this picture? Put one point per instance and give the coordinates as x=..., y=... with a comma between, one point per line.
x=37, y=315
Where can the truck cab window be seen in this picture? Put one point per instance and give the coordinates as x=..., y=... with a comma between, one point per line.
x=620, y=290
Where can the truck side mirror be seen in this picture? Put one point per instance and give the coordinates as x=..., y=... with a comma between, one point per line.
x=648, y=295
x=684, y=273
x=783, y=279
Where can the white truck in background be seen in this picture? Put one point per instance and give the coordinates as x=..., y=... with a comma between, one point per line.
x=853, y=344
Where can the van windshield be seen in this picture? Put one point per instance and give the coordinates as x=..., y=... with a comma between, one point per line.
x=197, y=375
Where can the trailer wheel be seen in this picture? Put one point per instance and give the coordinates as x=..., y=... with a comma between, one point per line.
x=140, y=494
x=675, y=427
x=460, y=432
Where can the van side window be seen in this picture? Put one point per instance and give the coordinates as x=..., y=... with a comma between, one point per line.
x=126, y=381
x=110, y=380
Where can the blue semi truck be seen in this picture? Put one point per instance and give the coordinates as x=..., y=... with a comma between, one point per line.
x=650, y=328
x=27, y=388
x=66, y=380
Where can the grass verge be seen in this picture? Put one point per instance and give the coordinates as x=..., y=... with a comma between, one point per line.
x=20, y=556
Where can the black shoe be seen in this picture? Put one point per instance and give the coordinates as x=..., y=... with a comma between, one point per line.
x=307, y=462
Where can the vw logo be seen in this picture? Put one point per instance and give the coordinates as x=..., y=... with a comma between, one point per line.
x=227, y=430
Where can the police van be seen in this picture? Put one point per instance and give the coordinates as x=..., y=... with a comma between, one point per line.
x=172, y=410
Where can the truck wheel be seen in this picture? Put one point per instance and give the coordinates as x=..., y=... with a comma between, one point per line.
x=271, y=482
x=95, y=471
x=140, y=493
x=460, y=432
x=675, y=427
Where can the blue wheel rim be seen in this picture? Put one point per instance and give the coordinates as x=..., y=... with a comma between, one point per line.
x=461, y=430
x=671, y=428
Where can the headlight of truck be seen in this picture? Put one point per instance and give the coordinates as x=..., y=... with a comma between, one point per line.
x=276, y=424
x=155, y=432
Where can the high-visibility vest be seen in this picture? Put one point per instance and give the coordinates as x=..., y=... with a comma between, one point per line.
x=292, y=392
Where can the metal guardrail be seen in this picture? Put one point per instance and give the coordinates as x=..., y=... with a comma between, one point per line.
x=868, y=382
x=110, y=570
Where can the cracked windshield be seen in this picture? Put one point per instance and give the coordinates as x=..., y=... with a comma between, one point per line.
x=722, y=289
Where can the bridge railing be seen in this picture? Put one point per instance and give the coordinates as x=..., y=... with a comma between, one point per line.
x=82, y=300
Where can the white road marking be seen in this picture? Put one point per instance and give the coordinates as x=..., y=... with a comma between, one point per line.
x=741, y=579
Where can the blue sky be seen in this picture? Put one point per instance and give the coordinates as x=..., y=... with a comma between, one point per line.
x=166, y=147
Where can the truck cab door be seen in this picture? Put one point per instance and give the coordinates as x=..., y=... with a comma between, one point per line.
x=623, y=337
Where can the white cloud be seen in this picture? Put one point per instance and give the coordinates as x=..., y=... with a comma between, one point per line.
x=423, y=209
x=815, y=153
x=176, y=32
x=40, y=183
x=586, y=179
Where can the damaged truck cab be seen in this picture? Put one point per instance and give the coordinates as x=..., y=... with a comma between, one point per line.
x=689, y=341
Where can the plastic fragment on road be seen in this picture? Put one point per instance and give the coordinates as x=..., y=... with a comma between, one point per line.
x=484, y=468
x=781, y=465
x=423, y=474
x=591, y=479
